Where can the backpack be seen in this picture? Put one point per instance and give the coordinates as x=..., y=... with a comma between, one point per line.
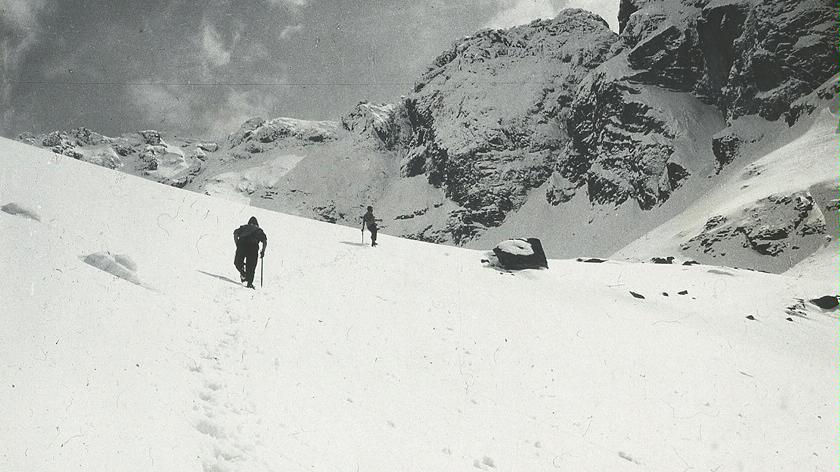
x=247, y=235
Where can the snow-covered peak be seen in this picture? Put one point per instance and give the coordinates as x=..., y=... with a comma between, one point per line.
x=260, y=131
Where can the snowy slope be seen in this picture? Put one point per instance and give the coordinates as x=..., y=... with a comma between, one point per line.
x=409, y=356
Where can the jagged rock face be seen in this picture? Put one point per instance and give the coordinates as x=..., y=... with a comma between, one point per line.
x=620, y=147
x=787, y=50
x=745, y=57
x=489, y=115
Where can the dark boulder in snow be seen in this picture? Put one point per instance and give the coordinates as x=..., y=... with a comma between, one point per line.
x=662, y=260
x=828, y=302
x=516, y=254
x=593, y=260
x=13, y=208
x=119, y=266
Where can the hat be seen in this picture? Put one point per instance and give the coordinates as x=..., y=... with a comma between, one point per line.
x=253, y=221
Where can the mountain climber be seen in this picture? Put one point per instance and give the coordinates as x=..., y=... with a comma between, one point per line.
x=370, y=221
x=248, y=238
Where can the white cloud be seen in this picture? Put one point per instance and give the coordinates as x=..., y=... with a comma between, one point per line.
x=162, y=105
x=211, y=112
x=289, y=3
x=290, y=31
x=21, y=14
x=19, y=30
x=214, y=48
x=237, y=108
x=519, y=12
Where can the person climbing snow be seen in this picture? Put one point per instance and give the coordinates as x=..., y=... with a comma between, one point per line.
x=370, y=221
x=248, y=238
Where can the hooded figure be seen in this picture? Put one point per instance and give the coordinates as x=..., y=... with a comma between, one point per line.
x=248, y=238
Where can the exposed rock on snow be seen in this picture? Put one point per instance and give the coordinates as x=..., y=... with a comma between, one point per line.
x=779, y=224
x=516, y=254
x=662, y=260
x=14, y=208
x=827, y=302
x=593, y=260
x=119, y=266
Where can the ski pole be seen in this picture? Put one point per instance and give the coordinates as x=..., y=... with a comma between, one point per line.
x=262, y=262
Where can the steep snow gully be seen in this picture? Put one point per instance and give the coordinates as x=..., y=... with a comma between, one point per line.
x=408, y=356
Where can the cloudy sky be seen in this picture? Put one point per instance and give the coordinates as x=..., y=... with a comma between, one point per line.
x=202, y=67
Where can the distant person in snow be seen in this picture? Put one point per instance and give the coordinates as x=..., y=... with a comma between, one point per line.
x=248, y=238
x=370, y=221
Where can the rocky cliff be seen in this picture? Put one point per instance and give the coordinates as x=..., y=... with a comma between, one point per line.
x=490, y=114
x=741, y=57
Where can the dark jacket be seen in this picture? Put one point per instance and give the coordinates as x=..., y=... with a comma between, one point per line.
x=249, y=235
x=370, y=221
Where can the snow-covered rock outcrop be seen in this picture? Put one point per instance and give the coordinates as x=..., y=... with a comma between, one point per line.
x=259, y=135
x=385, y=126
x=490, y=114
x=172, y=161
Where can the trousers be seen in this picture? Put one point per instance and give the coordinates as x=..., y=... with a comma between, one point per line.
x=245, y=261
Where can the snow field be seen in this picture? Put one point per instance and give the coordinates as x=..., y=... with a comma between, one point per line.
x=409, y=356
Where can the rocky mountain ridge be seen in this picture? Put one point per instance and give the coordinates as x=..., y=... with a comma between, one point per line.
x=560, y=118
x=143, y=153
